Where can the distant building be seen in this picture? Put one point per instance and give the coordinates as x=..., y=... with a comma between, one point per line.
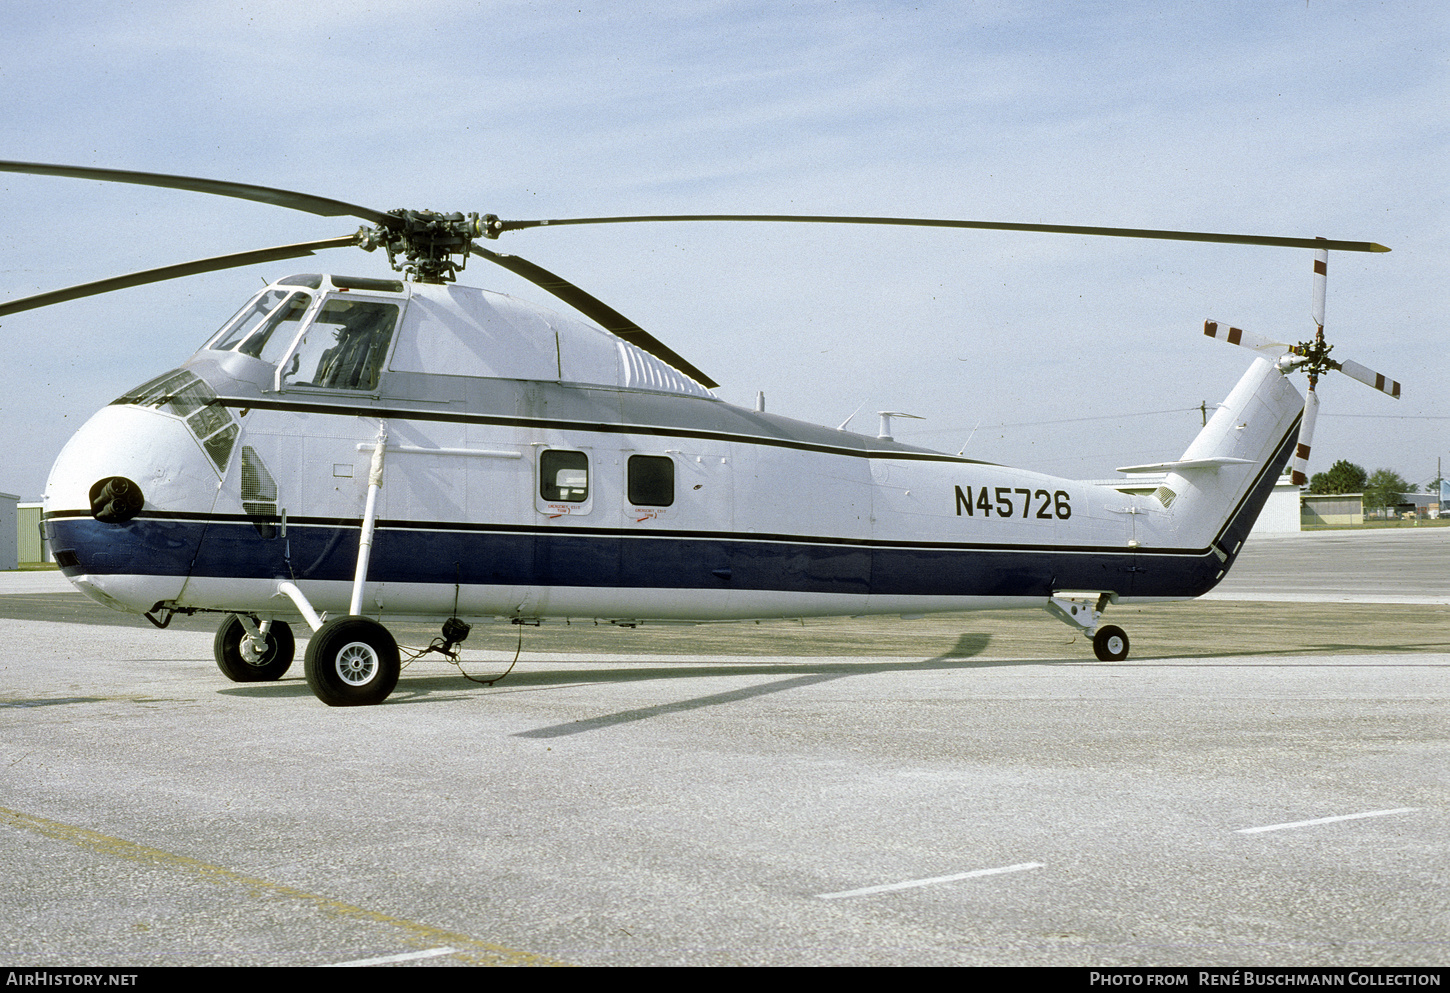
x=1318, y=509
x=1281, y=511
x=32, y=548
x=9, y=531
x=1423, y=504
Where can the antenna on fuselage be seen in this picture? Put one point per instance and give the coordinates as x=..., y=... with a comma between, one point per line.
x=886, y=415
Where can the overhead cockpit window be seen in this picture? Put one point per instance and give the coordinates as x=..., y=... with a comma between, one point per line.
x=344, y=347
x=257, y=325
x=311, y=280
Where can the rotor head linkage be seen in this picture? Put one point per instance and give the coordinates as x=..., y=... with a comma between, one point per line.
x=427, y=242
x=1310, y=356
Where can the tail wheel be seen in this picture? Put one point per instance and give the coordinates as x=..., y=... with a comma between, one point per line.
x=352, y=662
x=240, y=662
x=1110, y=644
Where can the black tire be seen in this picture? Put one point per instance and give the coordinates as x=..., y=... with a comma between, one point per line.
x=1110, y=644
x=238, y=663
x=352, y=662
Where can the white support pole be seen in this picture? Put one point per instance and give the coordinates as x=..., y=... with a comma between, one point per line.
x=370, y=519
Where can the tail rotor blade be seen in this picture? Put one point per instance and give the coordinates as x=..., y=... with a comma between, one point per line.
x=1306, y=439
x=1321, y=274
x=1370, y=378
x=1238, y=336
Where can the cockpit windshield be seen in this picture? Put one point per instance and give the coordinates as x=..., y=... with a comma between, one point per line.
x=265, y=327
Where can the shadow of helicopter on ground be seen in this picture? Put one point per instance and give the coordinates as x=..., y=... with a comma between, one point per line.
x=788, y=675
x=791, y=675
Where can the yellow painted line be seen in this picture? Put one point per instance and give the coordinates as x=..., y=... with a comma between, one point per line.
x=421, y=936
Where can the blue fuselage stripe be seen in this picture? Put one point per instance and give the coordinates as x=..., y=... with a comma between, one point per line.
x=229, y=549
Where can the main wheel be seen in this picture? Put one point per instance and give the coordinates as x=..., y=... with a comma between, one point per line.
x=1110, y=644
x=352, y=662
x=241, y=663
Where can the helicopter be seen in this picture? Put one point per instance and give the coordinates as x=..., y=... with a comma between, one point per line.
x=349, y=450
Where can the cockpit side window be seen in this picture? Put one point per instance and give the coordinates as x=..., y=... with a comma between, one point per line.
x=270, y=341
x=344, y=347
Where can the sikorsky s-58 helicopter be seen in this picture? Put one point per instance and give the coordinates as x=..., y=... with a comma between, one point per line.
x=353, y=450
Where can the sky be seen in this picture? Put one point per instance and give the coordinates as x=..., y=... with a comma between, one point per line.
x=1063, y=354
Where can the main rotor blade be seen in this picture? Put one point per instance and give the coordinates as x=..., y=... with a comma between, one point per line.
x=496, y=227
x=242, y=191
x=596, y=310
x=173, y=272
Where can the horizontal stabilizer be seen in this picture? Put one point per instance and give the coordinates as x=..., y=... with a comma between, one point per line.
x=1186, y=464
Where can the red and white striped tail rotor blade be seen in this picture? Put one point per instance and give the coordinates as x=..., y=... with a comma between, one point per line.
x=1370, y=378
x=1321, y=277
x=1300, y=474
x=1238, y=336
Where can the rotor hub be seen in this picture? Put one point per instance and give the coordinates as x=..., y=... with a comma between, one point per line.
x=422, y=243
x=1313, y=356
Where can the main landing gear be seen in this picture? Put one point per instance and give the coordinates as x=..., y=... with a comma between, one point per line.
x=252, y=651
x=352, y=662
x=1110, y=643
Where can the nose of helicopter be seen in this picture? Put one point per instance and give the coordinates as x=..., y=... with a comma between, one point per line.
x=125, y=506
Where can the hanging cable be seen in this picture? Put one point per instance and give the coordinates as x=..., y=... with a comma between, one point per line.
x=490, y=682
x=445, y=646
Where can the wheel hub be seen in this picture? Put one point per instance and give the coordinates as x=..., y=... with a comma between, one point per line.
x=357, y=663
x=251, y=653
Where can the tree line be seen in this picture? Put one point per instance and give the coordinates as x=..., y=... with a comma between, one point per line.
x=1381, y=489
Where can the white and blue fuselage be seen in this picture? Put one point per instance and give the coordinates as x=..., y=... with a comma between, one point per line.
x=535, y=466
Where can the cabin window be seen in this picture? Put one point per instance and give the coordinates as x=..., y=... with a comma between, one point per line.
x=344, y=346
x=563, y=476
x=651, y=480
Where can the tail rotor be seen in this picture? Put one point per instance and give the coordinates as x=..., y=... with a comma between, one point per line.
x=1299, y=474
x=1310, y=356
